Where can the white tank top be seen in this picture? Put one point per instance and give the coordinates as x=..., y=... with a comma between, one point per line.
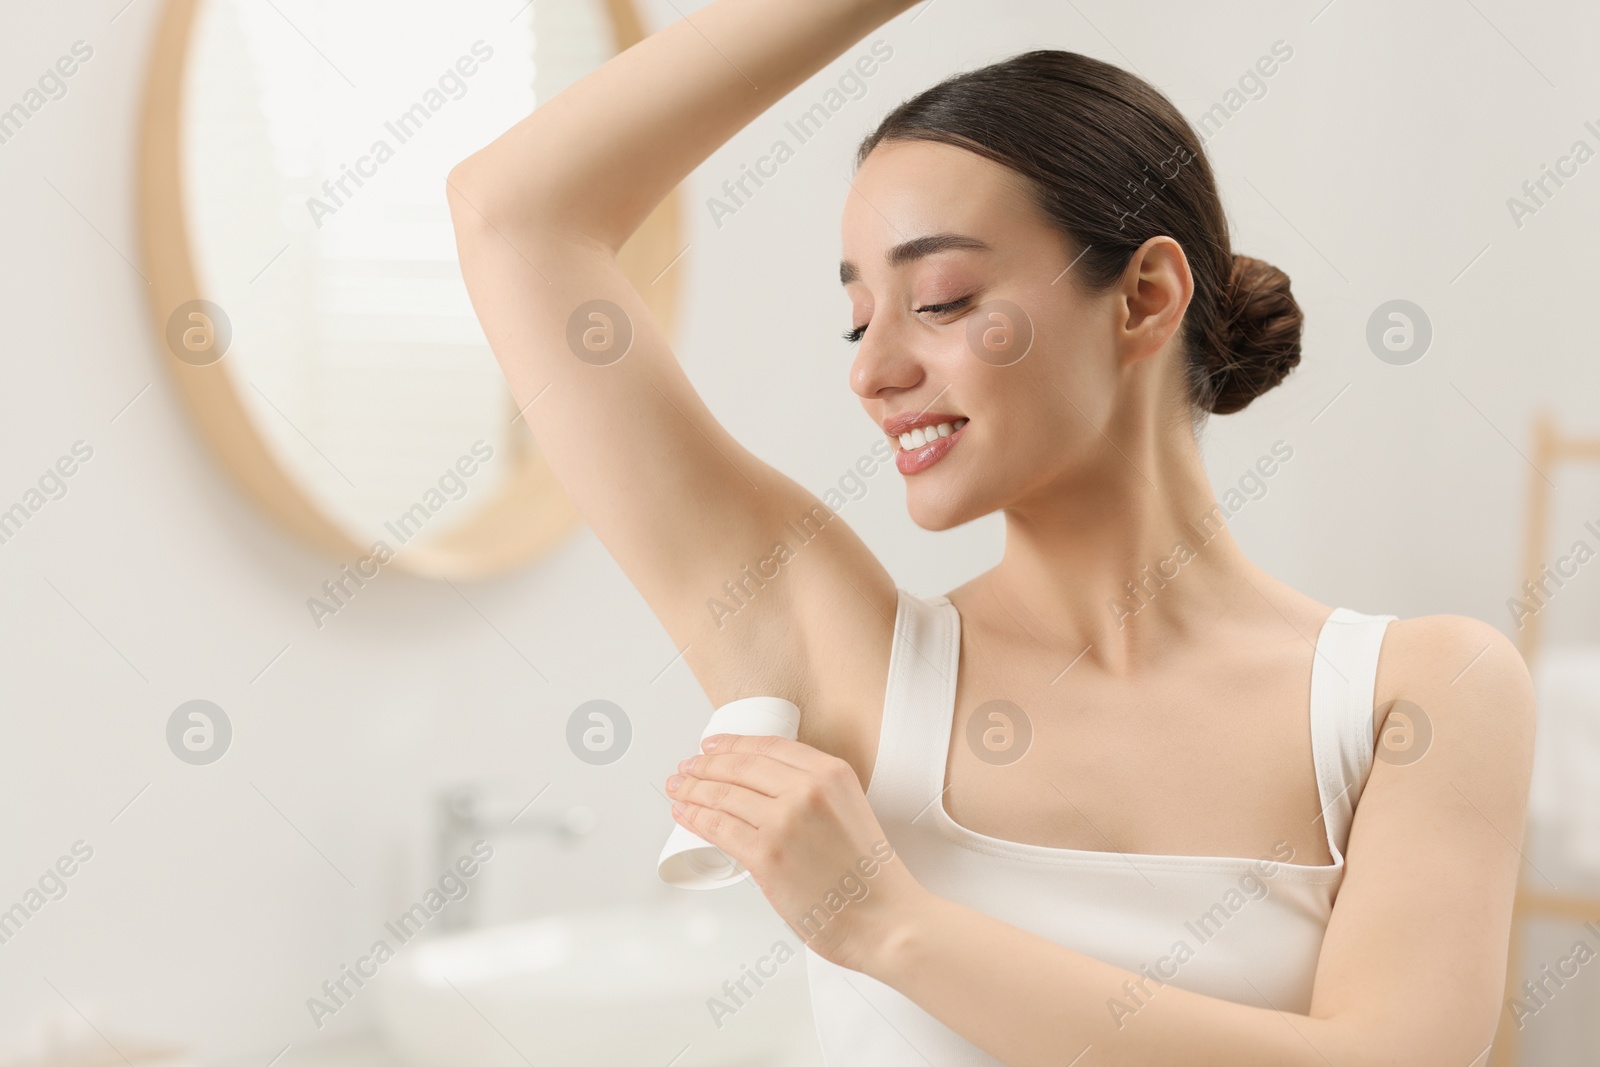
x=1245, y=929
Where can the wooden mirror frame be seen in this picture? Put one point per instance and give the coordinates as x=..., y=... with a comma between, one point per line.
x=529, y=513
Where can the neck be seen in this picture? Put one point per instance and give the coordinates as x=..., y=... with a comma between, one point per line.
x=1125, y=559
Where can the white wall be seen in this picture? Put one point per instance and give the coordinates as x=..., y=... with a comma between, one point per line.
x=1377, y=166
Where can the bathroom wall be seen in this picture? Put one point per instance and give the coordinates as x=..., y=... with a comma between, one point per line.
x=1374, y=164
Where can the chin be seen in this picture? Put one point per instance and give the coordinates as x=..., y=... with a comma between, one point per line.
x=939, y=508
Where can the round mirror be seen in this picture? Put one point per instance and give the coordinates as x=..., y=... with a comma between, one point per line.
x=303, y=269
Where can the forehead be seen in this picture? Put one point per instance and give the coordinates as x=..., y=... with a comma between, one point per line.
x=905, y=189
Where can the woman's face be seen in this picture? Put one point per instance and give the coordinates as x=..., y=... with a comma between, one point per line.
x=972, y=319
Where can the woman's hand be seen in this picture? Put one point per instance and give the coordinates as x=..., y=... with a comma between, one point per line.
x=798, y=820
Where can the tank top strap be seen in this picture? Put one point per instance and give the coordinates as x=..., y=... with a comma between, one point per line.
x=918, y=703
x=1344, y=675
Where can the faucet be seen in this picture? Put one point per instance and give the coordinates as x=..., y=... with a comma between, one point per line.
x=464, y=816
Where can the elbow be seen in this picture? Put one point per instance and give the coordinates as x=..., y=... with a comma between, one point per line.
x=485, y=198
x=469, y=198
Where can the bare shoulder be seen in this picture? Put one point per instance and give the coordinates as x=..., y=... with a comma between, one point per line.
x=1463, y=673
x=1434, y=854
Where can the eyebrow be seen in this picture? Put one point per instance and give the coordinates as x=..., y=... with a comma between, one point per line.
x=915, y=249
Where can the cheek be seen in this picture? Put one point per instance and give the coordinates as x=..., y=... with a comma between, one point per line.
x=1043, y=405
x=1068, y=363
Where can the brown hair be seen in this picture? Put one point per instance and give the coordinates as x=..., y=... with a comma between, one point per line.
x=1112, y=163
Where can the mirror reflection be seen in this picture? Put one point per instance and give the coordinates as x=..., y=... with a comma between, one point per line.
x=316, y=144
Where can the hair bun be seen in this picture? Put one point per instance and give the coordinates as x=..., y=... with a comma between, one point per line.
x=1259, y=332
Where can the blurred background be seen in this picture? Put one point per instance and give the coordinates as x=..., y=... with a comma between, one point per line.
x=248, y=739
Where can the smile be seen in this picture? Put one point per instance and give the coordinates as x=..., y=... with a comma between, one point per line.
x=923, y=446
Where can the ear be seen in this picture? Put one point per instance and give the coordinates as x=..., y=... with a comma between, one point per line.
x=1155, y=291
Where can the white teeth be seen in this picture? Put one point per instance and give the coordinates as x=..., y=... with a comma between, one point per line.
x=923, y=435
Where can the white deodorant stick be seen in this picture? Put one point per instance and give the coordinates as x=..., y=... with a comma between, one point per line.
x=688, y=860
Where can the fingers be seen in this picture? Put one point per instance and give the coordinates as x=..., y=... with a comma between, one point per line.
x=748, y=806
x=721, y=828
x=761, y=773
x=794, y=753
x=745, y=784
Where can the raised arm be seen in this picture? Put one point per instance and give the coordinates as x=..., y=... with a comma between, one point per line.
x=598, y=158
x=540, y=215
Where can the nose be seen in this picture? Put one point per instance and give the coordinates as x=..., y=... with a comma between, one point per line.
x=883, y=364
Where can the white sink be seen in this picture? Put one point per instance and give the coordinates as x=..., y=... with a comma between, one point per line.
x=607, y=988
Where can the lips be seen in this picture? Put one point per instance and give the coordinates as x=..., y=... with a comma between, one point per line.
x=923, y=439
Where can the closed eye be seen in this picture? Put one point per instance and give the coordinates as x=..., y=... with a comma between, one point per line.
x=935, y=309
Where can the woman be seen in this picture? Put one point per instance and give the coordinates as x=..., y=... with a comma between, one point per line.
x=1097, y=801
